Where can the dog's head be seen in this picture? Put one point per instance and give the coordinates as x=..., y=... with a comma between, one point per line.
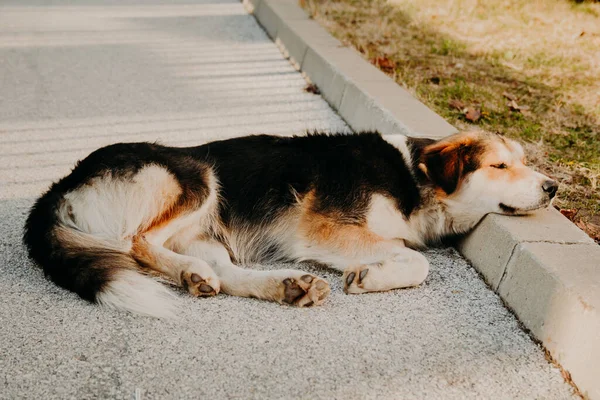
x=485, y=173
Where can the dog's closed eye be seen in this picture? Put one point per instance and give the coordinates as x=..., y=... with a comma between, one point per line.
x=500, y=166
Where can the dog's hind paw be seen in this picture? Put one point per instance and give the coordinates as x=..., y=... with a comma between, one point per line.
x=305, y=291
x=199, y=285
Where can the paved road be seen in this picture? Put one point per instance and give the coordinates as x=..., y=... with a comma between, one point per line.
x=76, y=75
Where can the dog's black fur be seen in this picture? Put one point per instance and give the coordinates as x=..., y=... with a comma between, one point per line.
x=256, y=173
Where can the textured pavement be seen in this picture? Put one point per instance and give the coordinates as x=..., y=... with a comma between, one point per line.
x=77, y=75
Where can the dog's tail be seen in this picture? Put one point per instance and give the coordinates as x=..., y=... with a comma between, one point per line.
x=97, y=269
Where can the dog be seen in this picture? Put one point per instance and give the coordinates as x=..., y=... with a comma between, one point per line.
x=360, y=203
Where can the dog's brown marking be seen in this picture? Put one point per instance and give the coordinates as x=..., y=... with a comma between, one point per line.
x=447, y=161
x=515, y=168
x=180, y=199
x=513, y=173
x=333, y=230
x=140, y=251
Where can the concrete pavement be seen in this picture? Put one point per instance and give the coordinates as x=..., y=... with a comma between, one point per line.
x=78, y=75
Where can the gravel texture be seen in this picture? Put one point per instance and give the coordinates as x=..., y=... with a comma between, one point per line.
x=77, y=75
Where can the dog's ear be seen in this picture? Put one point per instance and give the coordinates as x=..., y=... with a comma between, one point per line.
x=444, y=161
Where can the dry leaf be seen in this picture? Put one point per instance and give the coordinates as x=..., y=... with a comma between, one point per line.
x=509, y=96
x=591, y=229
x=384, y=63
x=312, y=88
x=472, y=114
x=568, y=212
x=459, y=105
x=514, y=106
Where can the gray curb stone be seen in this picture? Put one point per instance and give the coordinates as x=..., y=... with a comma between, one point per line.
x=555, y=291
x=492, y=244
x=544, y=267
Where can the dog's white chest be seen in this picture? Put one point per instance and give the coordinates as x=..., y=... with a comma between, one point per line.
x=385, y=220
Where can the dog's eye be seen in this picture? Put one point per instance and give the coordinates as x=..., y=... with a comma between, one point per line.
x=500, y=166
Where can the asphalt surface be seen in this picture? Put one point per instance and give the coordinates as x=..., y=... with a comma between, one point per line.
x=78, y=75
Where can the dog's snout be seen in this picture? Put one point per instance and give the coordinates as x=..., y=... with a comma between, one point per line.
x=550, y=187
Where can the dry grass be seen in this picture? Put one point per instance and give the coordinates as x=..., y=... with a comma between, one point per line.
x=530, y=68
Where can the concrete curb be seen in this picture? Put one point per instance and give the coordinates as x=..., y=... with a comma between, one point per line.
x=544, y=267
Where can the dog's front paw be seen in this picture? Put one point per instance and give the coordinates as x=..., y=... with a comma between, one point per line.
x=356, y=277
x=305, y=291
x=399, y=272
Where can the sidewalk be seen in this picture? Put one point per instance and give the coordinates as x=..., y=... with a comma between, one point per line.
x=76, y=77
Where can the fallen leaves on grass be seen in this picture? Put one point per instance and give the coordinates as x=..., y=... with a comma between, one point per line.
x=509, y=96
x=569, y=212
x=472, y=114
x=459, y=105
x=514, y=106
x=384, y=63
x=589, y=226
x=591, y=229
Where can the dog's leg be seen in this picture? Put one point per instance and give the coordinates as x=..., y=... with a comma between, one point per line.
x=283, y=286
x=369, y=261
x=192, y=273
x=407, y=268
x=384, y=265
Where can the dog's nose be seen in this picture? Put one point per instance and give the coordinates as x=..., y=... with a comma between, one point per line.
x=550, y=187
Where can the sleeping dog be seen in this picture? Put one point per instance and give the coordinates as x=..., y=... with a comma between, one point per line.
x=360, y=203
